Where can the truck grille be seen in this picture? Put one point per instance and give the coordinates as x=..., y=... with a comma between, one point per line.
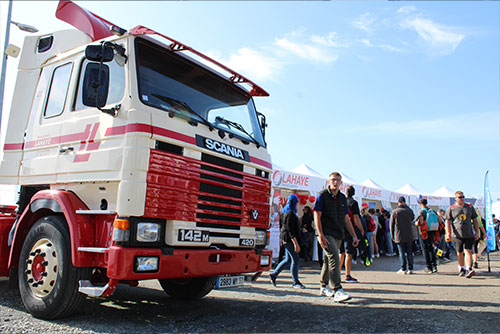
x=212, y=190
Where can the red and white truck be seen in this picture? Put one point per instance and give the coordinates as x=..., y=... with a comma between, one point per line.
x=137, y=158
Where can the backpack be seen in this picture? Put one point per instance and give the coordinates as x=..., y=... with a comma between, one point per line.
x=371, y=224
x=432, y=220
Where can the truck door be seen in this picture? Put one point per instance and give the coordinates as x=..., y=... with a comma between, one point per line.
x=43, y=134
x=92, y=148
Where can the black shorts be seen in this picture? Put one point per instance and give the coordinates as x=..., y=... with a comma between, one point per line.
x=461, y=243
x=346, y=245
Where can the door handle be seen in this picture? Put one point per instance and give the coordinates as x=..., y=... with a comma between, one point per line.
x=66, y=149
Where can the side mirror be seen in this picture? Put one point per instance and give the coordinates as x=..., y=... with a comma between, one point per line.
x=262, y=123
x=102, y=53
x=95, y=85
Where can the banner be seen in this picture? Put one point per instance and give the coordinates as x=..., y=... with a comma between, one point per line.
x=490, y=228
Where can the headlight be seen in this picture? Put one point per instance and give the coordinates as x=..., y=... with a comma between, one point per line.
x=148, y=232
x=264, y=260
x=260, y=238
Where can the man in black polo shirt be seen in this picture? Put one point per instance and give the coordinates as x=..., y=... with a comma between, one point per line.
x=331, y=218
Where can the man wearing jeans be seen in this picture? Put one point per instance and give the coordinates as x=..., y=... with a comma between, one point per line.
x=331, y=218
x=401, y=232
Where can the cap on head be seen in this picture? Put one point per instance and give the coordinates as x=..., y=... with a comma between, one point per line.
x=422, y=201
x=401, y=199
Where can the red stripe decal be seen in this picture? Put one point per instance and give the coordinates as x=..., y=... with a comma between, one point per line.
x=174, y=135
x=138, y=127
x=9, y=147
x=261, y=162
x=84, y=157
x=115, y=131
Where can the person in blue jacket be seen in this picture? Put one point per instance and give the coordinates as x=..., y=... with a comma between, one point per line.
x=289, y=234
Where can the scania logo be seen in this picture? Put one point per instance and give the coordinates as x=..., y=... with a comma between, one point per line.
x=277, y=178
x=214, y=145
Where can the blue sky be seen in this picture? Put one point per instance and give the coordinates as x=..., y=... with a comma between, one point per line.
x=399, y=92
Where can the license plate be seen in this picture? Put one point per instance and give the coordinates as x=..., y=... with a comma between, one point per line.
x=228, y=281
x=193, y=236
x=247, y=242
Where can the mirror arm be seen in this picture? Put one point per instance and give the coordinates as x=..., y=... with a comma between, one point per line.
x=118, y=48
x=112, y=111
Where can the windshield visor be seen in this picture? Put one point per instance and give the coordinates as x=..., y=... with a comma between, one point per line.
x=187, y=90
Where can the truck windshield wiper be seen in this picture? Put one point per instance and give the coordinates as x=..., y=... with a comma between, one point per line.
x=238, y=127
x=179, y=105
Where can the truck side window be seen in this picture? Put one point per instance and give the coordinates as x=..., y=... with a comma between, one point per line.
x=116, y=84
x=58, y=90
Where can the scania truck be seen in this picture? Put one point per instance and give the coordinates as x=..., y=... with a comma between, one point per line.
x=137, y=158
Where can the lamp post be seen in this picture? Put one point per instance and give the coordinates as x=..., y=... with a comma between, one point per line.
x=23, y=27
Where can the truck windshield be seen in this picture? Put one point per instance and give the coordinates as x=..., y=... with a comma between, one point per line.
x=187, y=90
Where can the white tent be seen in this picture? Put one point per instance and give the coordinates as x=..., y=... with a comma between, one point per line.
x=495, y=208
x=370, y=183
x=409, y=189
x=306, y=170
x=347, y=180
x=444, y=191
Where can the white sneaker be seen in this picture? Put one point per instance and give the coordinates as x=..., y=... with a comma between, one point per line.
x=326, y=291
x=341, y=296
x=401, y=271
x=354, y=262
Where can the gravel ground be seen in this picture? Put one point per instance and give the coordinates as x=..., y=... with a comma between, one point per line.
x=383, y=301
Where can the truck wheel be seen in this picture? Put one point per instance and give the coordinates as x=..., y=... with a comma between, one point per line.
x=48, y=282
x=188, y=288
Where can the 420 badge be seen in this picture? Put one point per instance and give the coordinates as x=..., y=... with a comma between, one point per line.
x=193, y=235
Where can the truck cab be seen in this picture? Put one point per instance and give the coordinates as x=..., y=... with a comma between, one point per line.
x=138, y=158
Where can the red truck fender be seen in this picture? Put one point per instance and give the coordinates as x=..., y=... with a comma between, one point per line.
x=56, y=202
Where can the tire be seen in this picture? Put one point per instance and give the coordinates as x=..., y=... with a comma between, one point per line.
x=188, y=288
x=48, y=282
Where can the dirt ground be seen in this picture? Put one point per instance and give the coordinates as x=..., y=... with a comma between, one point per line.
x=383, y=301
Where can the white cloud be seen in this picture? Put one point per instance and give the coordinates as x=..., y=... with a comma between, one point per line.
x=407, y=9
x=390, y=48
x=365, y=22
x=367, y=42
x=305, y=51
x=268, y=60
x=250, y=63
x=479, y=126
x=441, y=39
x=254, y=63
x=330, y=40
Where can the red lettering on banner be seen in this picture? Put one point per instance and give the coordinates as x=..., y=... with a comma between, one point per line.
x=369, y=192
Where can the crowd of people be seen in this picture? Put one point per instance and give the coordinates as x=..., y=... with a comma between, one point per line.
x=345, y=235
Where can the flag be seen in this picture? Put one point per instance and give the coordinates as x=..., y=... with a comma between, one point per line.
x=490, y=228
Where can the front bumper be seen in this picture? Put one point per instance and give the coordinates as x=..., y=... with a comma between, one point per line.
x=184, y=263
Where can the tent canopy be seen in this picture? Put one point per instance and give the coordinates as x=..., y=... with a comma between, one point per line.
x=444, y=191
x=306, y=170
x=347, y=179
x=370, y=183
x=409, y=190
